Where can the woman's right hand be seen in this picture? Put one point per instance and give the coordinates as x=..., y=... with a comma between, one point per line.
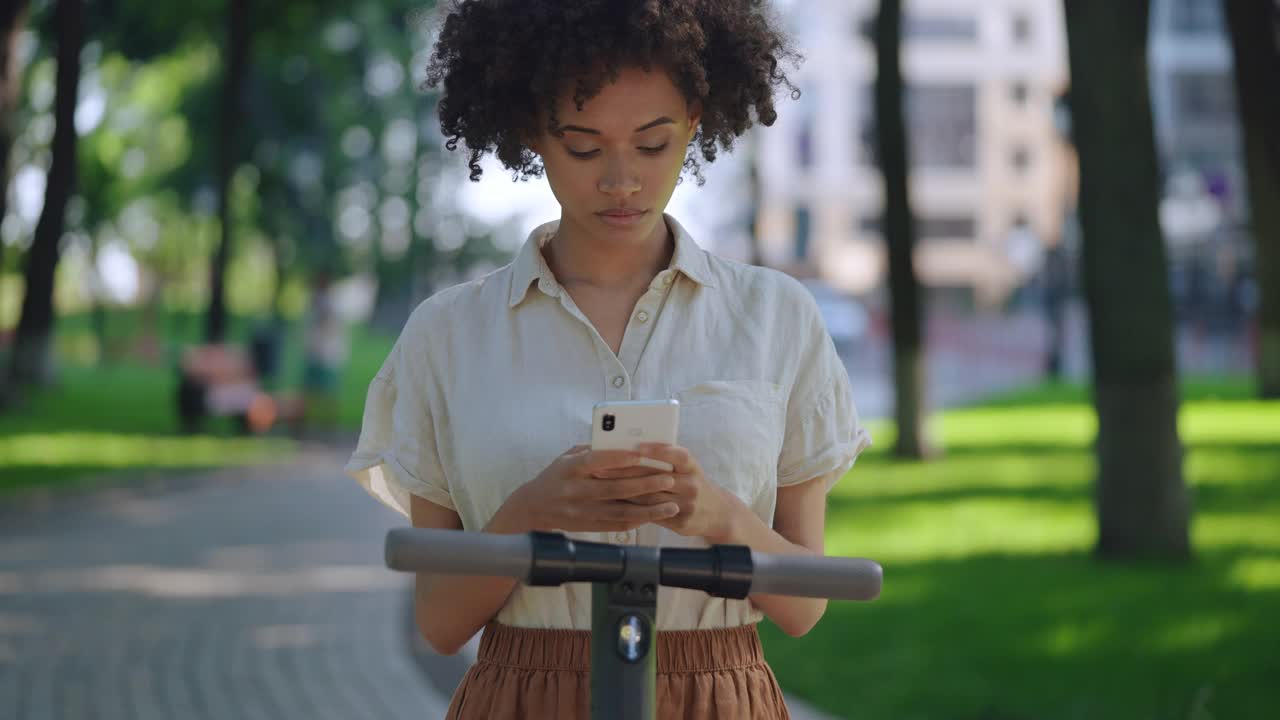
x=568, y=495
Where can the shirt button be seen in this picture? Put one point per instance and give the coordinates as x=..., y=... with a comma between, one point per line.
x=642, y=316
x=619, y=381
x=666, y=279
x=620, y=538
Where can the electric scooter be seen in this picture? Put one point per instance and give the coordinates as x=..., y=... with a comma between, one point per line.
x=624, y=591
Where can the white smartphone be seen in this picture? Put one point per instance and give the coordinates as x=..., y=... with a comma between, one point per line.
x=625, y=424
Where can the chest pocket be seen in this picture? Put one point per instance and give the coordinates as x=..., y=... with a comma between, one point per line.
x=734, y=428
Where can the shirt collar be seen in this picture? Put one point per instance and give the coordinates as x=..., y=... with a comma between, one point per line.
x=530, y=266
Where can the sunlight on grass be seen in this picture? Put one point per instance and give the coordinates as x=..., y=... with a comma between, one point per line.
x=110, y=450
x=1065, y=426
x=1236, y=423
x=1259, y=573
x=1259, y=529
x=70, y=459
x=962, y=528
x=993, y=472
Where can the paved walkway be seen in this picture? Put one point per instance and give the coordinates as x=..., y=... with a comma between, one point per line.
x=241, y=594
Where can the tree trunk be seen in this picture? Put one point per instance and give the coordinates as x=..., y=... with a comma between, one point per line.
x=1255, y=38
x=13, y=16
x=237, y=59
x=904, y=288
x=1141, y=499
x=31, y=360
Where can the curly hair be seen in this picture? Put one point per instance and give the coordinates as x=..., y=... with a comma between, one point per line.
x=503, y=63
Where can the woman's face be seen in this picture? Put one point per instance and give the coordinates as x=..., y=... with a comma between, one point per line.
x=616, y=164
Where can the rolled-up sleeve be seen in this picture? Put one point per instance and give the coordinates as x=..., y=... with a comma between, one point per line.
x=824, y=434
x=396, y=456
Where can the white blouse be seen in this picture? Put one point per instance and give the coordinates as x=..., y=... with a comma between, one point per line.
x=492, y=379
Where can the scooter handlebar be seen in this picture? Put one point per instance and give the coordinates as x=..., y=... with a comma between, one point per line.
x=453, y=552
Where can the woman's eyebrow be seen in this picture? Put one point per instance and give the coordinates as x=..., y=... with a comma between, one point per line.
x=664, y=120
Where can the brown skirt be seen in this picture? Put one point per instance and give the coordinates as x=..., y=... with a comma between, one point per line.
x=530, y=674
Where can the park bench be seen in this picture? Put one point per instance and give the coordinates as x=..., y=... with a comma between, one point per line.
x=220, y=380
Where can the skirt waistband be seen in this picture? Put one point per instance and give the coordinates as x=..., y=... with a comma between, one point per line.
x=678, y=650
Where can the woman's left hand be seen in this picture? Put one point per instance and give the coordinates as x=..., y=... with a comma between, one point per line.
x=705, y=507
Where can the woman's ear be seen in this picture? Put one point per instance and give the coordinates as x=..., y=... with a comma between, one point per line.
x=695, y=119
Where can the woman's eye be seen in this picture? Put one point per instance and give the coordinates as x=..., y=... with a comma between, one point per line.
x=588, y=154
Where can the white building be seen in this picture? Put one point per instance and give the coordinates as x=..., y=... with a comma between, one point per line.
x=982, y=77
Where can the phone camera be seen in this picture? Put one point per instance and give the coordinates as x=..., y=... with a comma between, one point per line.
x=607, y=423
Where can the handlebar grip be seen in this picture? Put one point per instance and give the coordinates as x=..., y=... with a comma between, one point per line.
x=837, y=578
x=454, y=552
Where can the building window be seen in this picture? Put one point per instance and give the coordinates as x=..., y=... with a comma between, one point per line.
x=1196, y=17
x=865, y=28
x=929, y=227
x=946, y=227
x=1203, y=96
x=870, y=225
x=806, y=112
x=940, y=28
x=942, y=122
x=924, y=28
x=941, y=126
x=1021, y=158
x=1021, y=29
x=803, y=231
x=1019, y=93
x=804, y=143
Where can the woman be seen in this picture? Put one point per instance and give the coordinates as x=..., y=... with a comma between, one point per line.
x=478, y=418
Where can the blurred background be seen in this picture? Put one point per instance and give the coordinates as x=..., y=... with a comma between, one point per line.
x=1044, y=236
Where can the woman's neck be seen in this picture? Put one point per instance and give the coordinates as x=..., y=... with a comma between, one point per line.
x=577, y=258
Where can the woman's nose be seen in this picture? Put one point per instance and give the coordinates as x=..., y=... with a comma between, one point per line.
x=619, y=179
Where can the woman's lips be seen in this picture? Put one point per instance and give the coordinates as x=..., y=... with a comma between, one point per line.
x=621, y=218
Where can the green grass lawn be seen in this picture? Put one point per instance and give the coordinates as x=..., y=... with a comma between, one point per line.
x=116, y=421
x=993, y=606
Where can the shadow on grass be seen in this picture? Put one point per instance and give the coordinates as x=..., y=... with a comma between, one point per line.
x=1049, y=636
